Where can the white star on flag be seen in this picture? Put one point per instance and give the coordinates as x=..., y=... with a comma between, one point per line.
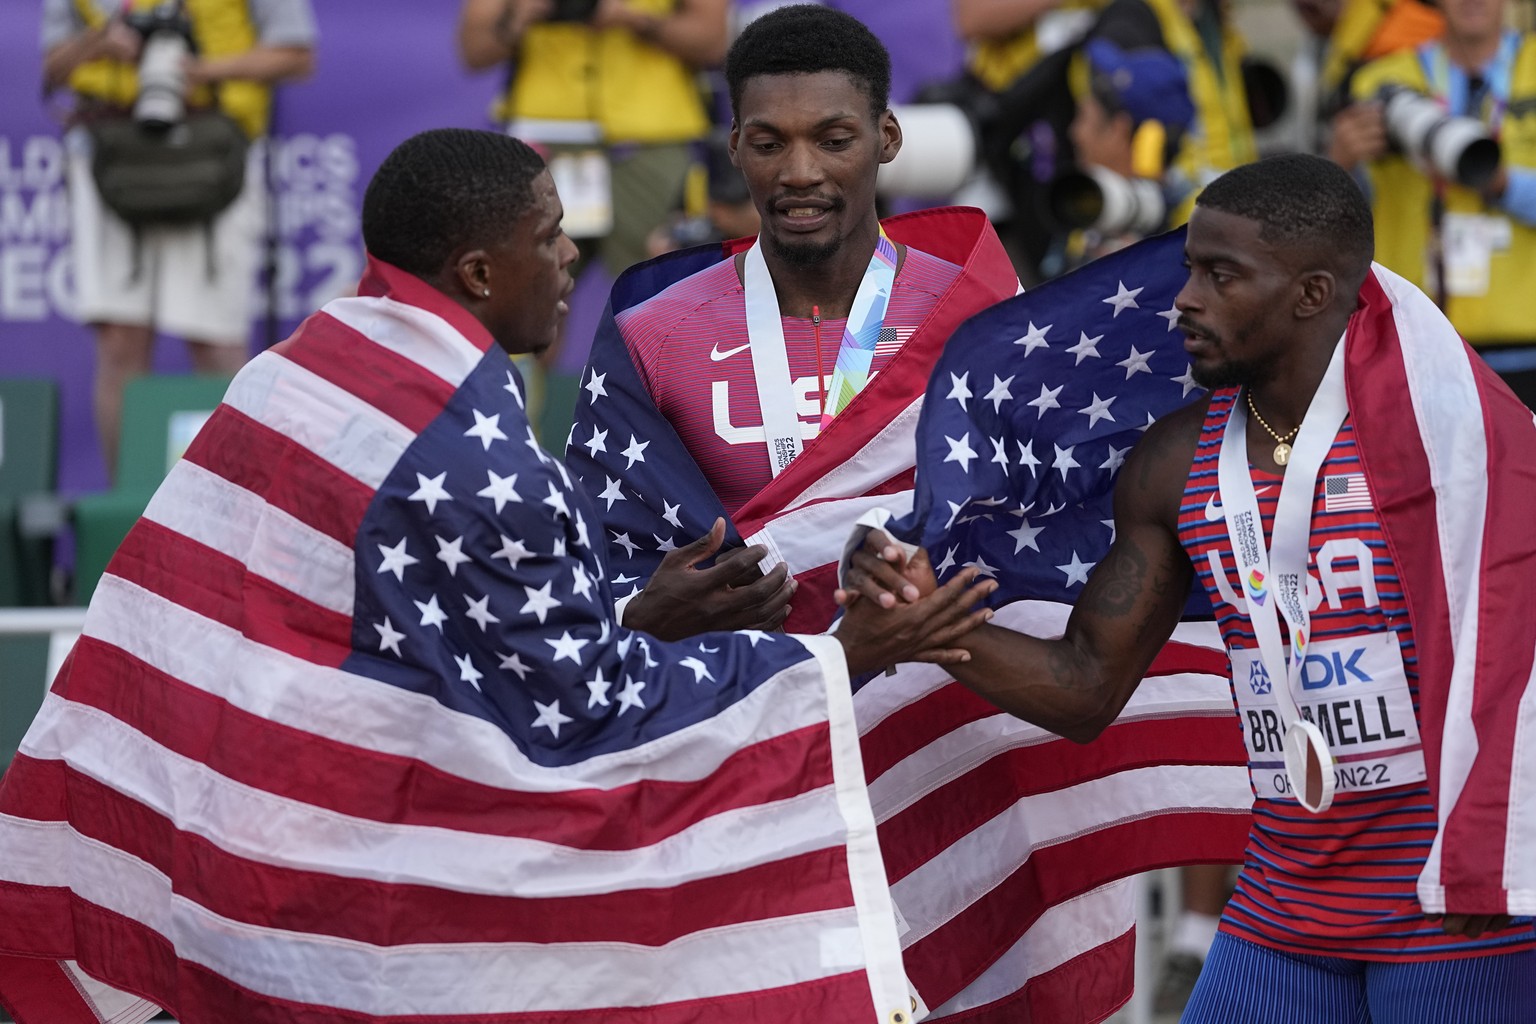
x=430, y=491
x=1171, y=314
x=467, y=671
x=613, y=492
x=550, y=717
x=583, y=583
x=999, y=392
x=597, y=689
x=1116, y=458
x=960, y=388
x=1136, y=363
x=623, y=541
x=670, y=515
x=1024, y=536
x=511, y=388
x=960, y=451
x=999, y=451
x=1034, y=338
x=700, y=670
x=567, y=646
x=513, y=551
x=1187, y=380
x=629, y=697
x=540, y=601
x=1086, y=347
x=597, y=443
x=431, y=614
x=486, y=428
x=480, y=611
x=396, y=559
x=1123, y=300
x=664, y=543
x=501, y=489
x=1027, y=456
x=451, y=553
x=1047, y=400
x=1097, y=410
x=635, y=452
x=514, y=663
x=594, y=386
x=1064, y=460
x=389, y=636
x=982, y=568
x=1076, y=570
x=755, y=635
x=556, y=501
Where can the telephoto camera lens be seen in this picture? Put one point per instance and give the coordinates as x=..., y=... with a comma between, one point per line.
x=1104, y=201
x=162, y=81
x=1457, y=148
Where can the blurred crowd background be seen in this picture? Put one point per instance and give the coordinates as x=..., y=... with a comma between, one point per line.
x=130, y=290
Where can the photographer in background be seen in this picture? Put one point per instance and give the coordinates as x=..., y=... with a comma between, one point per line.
x=1133, y=108
x=1466, y=235
x=195, y=280
x=608, y=91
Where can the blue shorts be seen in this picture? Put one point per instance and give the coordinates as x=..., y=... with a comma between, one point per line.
x=1252, y=984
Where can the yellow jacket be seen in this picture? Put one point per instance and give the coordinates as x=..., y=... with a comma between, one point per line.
x=221, y=28
x=1401, y=198
x=636, y=92
x=998, y=63
x=1221, y=137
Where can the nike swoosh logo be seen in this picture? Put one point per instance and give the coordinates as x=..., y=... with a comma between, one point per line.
x=1214, y=511
x=716, y=355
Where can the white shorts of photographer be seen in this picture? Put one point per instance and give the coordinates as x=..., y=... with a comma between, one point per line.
x=195, y=281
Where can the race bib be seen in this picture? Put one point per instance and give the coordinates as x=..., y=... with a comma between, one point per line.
x=1356, y=692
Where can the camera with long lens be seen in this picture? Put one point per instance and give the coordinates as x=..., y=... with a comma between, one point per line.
x=1453, y=147
x=167, y=38
x=1098, y=199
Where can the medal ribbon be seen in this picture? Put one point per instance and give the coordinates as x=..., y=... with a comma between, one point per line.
x=770, y=359
x=1274, y=579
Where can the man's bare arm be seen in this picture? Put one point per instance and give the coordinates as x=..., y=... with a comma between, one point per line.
x=1077, y=684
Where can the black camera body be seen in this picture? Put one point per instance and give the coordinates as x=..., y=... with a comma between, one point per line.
x=573, y=10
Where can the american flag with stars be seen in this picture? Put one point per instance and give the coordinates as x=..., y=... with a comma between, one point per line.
x=351, y=734
x=1008, y=849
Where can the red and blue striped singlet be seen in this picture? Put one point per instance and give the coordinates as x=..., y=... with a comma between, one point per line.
x=1339, y=883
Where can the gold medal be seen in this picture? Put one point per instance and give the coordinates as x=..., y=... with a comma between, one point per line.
x=1282, y=454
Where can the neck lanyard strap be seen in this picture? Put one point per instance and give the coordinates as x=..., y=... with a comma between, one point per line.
x=770, y=358
x=1274, y=576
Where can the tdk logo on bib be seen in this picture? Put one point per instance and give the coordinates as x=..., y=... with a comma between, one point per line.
x=1335, y=668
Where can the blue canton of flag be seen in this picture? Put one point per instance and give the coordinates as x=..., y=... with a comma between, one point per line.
x=1030, y=414
x=650, y=494
x=481, y=582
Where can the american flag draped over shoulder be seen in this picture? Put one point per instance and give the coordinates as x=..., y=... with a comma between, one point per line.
x=1447, y=451
x=350, y=734
x=1002, y=842
x=1029, y=415
x=652, y=494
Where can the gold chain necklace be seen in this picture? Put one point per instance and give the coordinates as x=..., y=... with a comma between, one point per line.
x=1283, y=444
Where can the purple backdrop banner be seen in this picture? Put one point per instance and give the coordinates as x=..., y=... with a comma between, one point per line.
x=385, y=70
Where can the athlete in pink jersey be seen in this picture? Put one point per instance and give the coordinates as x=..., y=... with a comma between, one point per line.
x=1397, y=898
x=750, y=374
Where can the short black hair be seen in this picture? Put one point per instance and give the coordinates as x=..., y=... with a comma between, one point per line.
x=1302, y=199
x=445, y=190
x=803, y=39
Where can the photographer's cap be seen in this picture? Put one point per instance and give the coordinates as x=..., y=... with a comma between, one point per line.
x=1148, y=83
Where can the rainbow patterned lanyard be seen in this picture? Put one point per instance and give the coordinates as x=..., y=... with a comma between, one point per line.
x=862, y=332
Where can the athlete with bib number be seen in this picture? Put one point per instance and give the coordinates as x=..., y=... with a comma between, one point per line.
x=1351, y=495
